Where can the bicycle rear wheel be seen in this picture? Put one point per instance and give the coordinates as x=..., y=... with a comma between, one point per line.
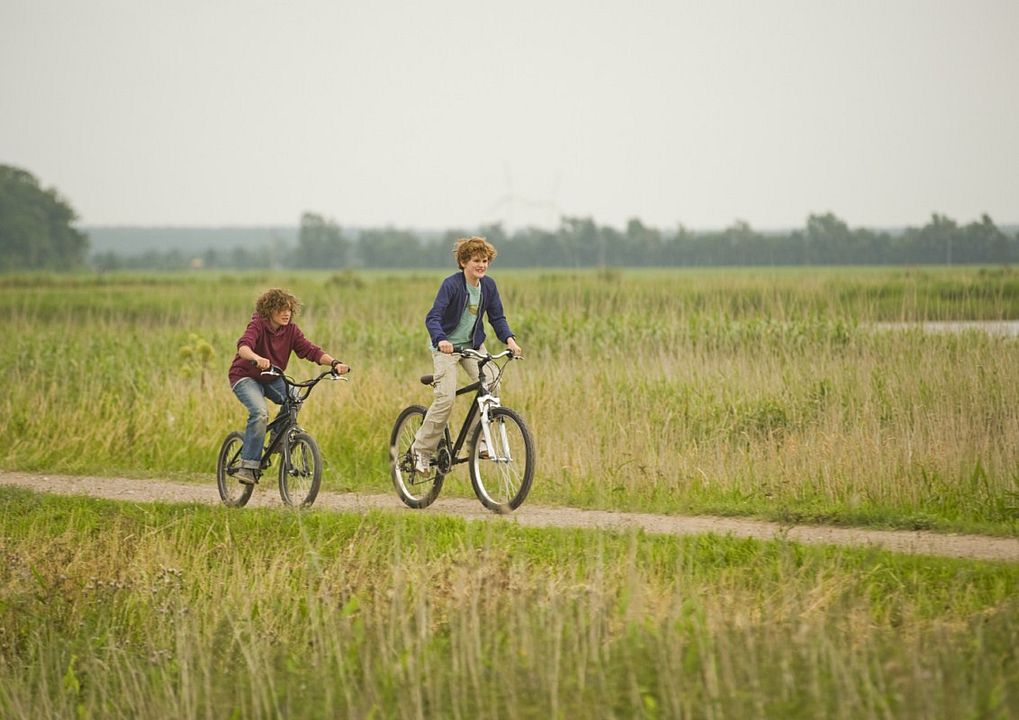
x=300, y=471
x=415, y=490
x=502, y=477
x=232, y=492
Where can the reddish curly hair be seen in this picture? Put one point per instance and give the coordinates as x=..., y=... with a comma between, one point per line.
x=274, y=300
x=468, y=248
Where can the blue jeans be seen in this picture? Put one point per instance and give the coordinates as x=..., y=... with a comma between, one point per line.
x=252, y=395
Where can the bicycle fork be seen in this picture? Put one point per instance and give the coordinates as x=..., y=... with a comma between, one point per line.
x=500, y=453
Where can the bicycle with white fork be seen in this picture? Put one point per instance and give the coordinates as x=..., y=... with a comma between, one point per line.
x=498, y=444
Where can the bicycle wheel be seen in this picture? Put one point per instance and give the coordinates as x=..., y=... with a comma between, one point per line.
x=232, y=492
x=300, y=471
x=503, y=477
x=416, y=490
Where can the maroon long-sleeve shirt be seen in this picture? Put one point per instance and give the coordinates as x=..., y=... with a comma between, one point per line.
x=274, y=345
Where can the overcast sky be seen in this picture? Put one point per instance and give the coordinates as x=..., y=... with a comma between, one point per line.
x=455, y=113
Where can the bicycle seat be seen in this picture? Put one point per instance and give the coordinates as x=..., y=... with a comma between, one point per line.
x=427, y=379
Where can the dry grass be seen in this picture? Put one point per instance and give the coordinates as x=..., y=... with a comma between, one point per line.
x=764, y=392
x=163, y=611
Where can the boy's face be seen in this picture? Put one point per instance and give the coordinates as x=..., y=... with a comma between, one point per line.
x=475, y=268
x=282, y=316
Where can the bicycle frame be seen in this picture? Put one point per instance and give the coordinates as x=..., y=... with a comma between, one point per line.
x=285, y=421
x=484, y=401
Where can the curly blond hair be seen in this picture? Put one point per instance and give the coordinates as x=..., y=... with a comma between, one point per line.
x=274, y=300
x=467, y=248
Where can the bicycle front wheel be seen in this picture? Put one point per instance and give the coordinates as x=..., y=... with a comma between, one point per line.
x=232, y=492
x=501, y=473
x=415, y=490
x=300, y=471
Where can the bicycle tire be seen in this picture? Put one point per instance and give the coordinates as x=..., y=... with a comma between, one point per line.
x=300, y=471
x=414, y=491
x=232, y=492
x=499, y=481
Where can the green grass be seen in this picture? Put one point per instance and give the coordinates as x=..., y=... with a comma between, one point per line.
x=175, y=611
x=760, y=392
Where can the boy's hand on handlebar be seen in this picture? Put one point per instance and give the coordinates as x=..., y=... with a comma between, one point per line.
x=512, y=345
x=262, y=363
x=341, y=369
x=445, y=346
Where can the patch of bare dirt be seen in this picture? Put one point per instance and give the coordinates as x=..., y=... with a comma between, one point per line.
x=918, y=542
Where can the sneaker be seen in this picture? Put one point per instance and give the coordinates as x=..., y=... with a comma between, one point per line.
x=245, y=476
x=422, y=463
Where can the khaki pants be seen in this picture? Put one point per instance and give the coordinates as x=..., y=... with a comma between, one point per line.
x=444, y=384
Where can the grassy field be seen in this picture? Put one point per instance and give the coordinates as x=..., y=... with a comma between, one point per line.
x=757, y=392
x=767, y=393
x=159, y=611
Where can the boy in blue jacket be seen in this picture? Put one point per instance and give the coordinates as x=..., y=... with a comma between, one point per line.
x=455, y=320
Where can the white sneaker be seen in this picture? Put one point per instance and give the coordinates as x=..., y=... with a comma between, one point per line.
x=422, y=463
x=245, y=476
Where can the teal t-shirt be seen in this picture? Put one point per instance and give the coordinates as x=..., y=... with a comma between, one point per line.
x=465, y=328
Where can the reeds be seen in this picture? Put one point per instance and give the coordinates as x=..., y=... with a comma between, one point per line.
x=767, y=392
x=116, y=610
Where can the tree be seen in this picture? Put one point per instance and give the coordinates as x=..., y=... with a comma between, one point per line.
x=389, y=246
x=35, y=226
x=321, y=244
x=580, y=241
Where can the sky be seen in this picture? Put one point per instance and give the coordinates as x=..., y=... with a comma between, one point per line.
x=457, y=113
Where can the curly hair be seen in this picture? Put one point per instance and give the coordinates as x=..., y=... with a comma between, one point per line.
x=274, y=300
x=467, y=248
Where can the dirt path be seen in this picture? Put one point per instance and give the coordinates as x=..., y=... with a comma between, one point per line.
x=921, y=543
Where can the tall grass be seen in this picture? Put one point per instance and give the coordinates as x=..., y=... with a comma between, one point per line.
x=116, y=610
x=762, y=392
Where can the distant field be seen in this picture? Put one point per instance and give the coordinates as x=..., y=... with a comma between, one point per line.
x=757, y=392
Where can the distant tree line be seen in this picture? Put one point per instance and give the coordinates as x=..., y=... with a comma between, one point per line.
x=580, y=242
x=36, y=232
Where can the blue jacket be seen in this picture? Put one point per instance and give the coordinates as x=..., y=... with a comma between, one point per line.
x=450, y=302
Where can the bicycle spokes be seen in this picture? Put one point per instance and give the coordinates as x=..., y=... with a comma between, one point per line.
x=231, y=491
x=415, y=489
x=497, y=441
x=301, y=471
x=502, y=474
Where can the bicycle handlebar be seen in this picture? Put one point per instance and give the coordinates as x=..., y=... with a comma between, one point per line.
x=278, y=372
x=471, y=352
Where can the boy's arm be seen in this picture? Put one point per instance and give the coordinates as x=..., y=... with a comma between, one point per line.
x=251, y=335
x=433, y=320
x=305, y=348
x=497, y=317
x=246, y=353
x=247, y=343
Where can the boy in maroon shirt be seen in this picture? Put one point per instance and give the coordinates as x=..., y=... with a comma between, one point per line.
x=268, y=340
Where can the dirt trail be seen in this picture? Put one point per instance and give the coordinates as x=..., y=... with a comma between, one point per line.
x=919, y=542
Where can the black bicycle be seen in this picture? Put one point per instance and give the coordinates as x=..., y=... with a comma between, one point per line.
x=499, y=448
x=300, y=467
